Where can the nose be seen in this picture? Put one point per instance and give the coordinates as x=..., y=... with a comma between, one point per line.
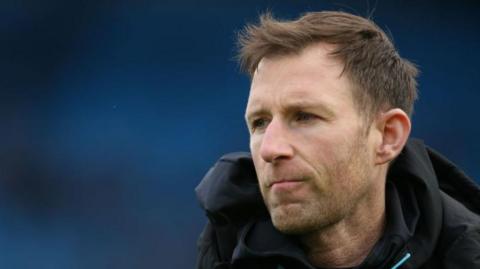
x=276, y=143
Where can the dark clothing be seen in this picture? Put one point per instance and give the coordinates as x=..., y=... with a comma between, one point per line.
x=432, y=211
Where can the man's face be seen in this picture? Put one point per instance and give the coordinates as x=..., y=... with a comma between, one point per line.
x=312, y=154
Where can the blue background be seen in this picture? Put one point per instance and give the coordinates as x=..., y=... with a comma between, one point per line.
x=112, y=111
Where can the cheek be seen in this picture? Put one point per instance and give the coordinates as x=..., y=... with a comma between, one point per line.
x=324, y=150
x=332, y=158
x=255, y=151
x=258, y=164
x=255, y=143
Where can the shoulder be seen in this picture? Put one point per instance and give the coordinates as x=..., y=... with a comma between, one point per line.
x=207, y=255
x=464, y=252
x=459, y=244
x=216, y=245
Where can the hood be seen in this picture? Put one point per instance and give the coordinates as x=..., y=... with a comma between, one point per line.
x=455, y=182
x=229, y=191
x=416, y=182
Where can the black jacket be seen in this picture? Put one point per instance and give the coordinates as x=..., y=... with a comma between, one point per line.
x=433, y=218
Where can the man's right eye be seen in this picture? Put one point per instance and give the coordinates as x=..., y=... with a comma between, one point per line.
x=259, y=124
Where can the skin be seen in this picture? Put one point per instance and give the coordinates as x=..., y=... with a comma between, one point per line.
x=321, y=168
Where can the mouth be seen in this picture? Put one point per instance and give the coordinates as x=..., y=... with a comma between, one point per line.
x=285, y=183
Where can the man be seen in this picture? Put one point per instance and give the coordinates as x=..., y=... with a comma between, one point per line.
x=333, y=180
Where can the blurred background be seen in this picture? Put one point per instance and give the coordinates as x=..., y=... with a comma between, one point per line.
x=112, y=111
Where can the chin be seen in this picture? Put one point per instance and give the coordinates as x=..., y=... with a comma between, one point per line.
x=290, y=220
x=297, y=219
x=290, y=227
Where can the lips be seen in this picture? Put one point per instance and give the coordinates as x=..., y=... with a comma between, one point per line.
x=282, y=186
x=283, y=181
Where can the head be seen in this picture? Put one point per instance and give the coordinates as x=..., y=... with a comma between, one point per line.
x=328, y=110
x=381, y=78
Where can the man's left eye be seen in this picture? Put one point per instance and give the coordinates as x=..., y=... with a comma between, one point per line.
x=303, y=116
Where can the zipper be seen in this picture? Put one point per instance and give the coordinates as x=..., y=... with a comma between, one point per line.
x=402, y=261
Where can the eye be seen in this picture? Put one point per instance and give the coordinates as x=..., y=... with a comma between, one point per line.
x=304, y=116
x=259, y=123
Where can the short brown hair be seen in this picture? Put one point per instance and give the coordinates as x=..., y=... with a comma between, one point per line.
x=383, y=78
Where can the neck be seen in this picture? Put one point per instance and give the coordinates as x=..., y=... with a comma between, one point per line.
x=348, y=242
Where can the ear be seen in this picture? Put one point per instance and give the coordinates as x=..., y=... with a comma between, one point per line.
x=394, y=127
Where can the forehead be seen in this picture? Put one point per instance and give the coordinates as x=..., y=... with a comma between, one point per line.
x=311, y=75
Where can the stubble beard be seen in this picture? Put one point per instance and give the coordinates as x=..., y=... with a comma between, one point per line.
x=327, y=208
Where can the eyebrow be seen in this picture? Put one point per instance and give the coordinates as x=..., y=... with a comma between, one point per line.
x=291, y=105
